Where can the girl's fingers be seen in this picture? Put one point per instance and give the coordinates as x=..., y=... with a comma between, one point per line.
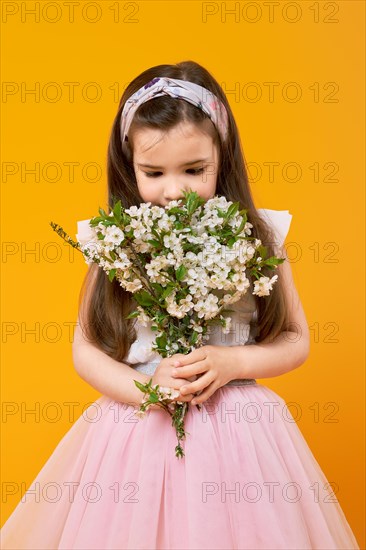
x=198, y=385
x=189, y=370
x=202, y=397
x=178, y=383
x=199, y=354
x=184, y=397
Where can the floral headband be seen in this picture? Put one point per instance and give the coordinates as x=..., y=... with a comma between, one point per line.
x=180, y=89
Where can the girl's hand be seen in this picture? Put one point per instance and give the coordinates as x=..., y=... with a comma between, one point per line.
x=163, y=377
x=212, y=366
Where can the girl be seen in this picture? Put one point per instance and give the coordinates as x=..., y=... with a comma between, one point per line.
x=247, y=478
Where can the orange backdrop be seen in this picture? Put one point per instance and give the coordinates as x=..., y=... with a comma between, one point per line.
x=293, y=73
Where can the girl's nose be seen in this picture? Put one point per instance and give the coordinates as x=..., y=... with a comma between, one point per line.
x=174, y=191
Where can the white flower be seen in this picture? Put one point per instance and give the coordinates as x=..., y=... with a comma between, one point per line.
x=123, y=262
x=143, y=318
x=113, y=235
x=140, y=414
x=207, y=307
x=247, y=228
x=155, y=267
x=263, y=286
x=226, y=329
x=170, y=241
x=178, y=310
x=167, y=393
x=132, y=286
x=85, y=233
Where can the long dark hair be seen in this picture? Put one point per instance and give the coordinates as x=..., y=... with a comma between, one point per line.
x=103, y=305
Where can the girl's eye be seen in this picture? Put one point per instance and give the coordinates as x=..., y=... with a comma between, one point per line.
x=195, y=171
x=152, y=174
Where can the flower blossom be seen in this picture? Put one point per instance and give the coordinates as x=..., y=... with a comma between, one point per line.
x=263, y=286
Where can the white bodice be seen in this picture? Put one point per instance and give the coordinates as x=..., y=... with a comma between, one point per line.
x=244, y=312
x=243, y=325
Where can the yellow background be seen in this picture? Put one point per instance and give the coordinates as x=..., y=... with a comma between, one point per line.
x=321, y=51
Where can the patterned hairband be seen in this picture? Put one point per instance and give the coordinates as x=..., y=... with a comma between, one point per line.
x=181, y=89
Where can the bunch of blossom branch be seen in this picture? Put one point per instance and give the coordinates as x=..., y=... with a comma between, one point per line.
x=184, y=263
x=163, y=397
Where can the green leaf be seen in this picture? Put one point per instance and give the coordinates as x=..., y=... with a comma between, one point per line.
x=117, y=210
x=148, y=384
x=175, y=210
x=262, y=251
x=190, y=203
x=193, y=338
x=167, y=291
x=255, y=273
x=158, y=289
x=232, y=210
x=140, y=386
x=193, y=202
x=154, y=243
x=241, y=227
x=112, y=274
x=161, y=341
x=102, y=212
x=132, y=315
x=221, y=213
x=179, y=225
x=272, y=261
x=181, y=272
x=95, y=221
x=155, y=232
x=144, y=298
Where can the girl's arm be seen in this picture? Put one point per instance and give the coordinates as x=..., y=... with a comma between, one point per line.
x=106, y=375
x=116, y=379
x=219, y=364
x=282, y=354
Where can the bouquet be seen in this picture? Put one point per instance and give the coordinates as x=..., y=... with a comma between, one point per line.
x=184, y=264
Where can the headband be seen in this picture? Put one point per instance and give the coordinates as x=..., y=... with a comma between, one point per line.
x=180, y=89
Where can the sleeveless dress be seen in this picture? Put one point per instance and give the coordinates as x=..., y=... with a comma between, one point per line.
x=246, y=481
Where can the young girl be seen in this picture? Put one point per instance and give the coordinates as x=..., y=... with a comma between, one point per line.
x=248, y=479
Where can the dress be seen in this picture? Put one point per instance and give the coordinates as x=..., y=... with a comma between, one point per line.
x=245, y=482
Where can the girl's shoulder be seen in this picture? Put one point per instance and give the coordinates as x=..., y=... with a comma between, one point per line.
x=279, y=220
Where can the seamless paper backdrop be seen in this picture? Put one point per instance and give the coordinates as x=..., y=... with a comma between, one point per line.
x=293, y=73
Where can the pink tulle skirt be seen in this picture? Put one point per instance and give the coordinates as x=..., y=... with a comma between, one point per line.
x=248, y=480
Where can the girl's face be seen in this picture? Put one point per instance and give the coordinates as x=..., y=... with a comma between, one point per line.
x=166, y=163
